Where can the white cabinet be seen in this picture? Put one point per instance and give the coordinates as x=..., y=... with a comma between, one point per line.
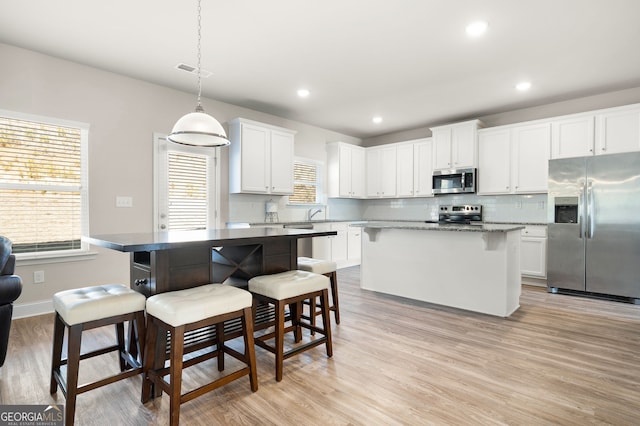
x=572, y=136
x=260, y=158
x=381, y=171
x=414, y=168
x=533, y=251
x=514, y=159
x=618, y=130
x=345, y=170
x=343, y=248
x=354, y=245
x=456, y=145
x=530, y=158
x=494, y=161
x=404, y=169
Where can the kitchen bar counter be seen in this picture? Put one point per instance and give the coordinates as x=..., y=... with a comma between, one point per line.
x=471, y=267
x=175, y=260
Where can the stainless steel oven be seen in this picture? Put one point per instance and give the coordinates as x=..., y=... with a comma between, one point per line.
x=454, y=181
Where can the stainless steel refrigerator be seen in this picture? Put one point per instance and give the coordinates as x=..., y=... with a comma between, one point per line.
x=594, y=225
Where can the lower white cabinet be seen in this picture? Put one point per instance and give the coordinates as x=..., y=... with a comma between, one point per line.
x=533, y=251
x=343, y=248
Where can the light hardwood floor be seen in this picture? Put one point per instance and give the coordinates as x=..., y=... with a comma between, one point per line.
x=558, y=360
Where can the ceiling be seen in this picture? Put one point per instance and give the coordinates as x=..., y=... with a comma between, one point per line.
x=408, y=61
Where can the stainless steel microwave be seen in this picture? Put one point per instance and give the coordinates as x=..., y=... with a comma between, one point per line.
x=456, y=181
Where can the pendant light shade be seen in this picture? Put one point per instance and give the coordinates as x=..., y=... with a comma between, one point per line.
x=198, y=128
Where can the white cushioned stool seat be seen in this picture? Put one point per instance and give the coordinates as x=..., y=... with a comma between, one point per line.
x=92, y=303
x=194, y=304
x=317, y=266
x=288, y=284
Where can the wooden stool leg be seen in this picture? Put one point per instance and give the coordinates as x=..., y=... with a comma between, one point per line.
x=121, y=349
x=220, y=345
x=334, y=295
x=56, y=358
x=73, y=366
x=249, y=348
x=137, y=345
x=149, y=360
x=312, y=313
x=175, y=373
x=326, y=321
x=279, y=336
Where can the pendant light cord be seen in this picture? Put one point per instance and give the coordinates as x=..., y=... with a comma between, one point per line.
x=199, y=106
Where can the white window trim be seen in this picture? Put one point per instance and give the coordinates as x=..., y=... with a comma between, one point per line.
x=160, y=143
x=25, y=259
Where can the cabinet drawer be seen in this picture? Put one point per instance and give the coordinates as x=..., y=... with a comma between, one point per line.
x=534, y=231
x=141, y=280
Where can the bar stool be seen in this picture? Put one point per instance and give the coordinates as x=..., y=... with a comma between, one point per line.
x=328, y=268
x=291, y=288
x=185, y=310
x=84, y=309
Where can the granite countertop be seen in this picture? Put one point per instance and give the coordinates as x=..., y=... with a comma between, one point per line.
x=359, y=222
x=422, y=226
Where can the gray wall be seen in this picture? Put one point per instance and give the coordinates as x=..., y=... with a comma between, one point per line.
x=123, y=113
x=589, y=103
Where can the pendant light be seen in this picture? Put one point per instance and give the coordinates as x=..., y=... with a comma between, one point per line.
x=199, y=128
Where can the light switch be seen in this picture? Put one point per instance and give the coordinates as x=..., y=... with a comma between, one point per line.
x=122, y=201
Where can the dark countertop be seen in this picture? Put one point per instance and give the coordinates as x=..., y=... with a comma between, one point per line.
x=150, y=241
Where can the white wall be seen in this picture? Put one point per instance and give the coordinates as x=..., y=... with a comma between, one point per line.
x=123, y=113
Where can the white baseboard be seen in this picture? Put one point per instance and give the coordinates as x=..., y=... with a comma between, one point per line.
x=32, y=309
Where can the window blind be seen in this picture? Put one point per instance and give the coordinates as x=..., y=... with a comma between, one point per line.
x=187, y=191
x=41, y=185
x=305, y=183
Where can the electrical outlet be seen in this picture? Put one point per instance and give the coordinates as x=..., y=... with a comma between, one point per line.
x=122, y=201
x=38, y=277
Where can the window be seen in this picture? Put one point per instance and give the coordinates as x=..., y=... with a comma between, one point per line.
x=43, y=183
x=306, y=182
x=185, y=186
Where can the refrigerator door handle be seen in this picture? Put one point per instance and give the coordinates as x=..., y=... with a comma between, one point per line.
x=581, y=228
x=590, y=209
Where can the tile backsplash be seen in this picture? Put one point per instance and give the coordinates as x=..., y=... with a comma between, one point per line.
x=497, y=208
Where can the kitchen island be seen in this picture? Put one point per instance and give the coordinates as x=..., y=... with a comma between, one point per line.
x=175, y=260
x=471, y=267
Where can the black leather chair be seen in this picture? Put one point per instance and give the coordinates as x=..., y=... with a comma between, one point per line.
x=10, y=289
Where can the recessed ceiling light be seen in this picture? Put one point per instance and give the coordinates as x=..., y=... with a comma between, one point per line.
x=476, y=29
x=523, y=86
x=303, y=93
x=377, y=119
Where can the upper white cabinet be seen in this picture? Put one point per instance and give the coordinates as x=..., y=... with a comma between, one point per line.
x=260, y=158
x=618, y=130
x=572, y=136
x=414, y=168
x=514, y=159
x=455, y=145
x=346, y=170
x=608, y=131
x=494, y=161
x=530, y=158
x=381, y=171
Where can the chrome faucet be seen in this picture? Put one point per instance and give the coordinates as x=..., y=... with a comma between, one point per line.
x=310, y=215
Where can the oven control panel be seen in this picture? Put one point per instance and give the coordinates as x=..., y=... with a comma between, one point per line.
x=460, y=213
